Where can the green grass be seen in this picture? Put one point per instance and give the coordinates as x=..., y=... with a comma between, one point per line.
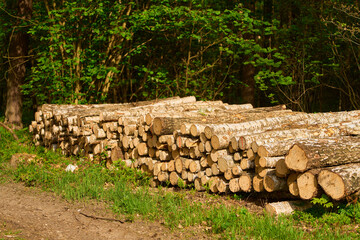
x=126, y=192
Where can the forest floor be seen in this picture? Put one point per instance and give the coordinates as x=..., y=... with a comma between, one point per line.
x=31, y=213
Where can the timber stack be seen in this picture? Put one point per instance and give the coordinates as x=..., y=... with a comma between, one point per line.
x=224, y=148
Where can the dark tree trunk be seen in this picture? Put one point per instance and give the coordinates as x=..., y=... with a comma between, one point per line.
x=18, y=47
x=248, y=88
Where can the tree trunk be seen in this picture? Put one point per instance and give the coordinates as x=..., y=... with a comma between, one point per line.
x=18, y=49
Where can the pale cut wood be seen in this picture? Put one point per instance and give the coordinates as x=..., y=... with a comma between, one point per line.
x=236, y=170
x=228, y=174
x=194, y=166
x=269, y=162
x=340, y=181
x=234, y=141
x=237, y=156
x=245, y=142
x=307, y=184
x=247, y=164
x=208, y=147
x=234, y=185
x=281, y=169
x=286, y=207
x=163, y=176
x=245, y=181
x=143, y=149
x=192, y=176
x=222, y=186
x=275, y=148
x=179, y=164
x=213, y=184
x=217, y=154
x=225, y=162
x=215, y=169
x=316, y=153
x=204, y=180
x=196, y=129
x=204, y=162
x=263, y=171
x=258, y=183
x=274, y=183
x=250, y=127
x=198, y=186
x=220, y=141
x=292, y=184
x=208, y=172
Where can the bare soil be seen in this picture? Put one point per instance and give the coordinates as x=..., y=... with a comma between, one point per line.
x=30, y=213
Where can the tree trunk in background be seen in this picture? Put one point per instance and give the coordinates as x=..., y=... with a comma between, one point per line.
x=18, y=46
x=248, y=89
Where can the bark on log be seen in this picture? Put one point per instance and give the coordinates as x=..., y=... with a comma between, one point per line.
x=340, y=181
x=274, y=183
x=286, y=207
x=317, y=153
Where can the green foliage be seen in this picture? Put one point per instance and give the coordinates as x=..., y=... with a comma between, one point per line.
x=100, y=51
x=323, y=201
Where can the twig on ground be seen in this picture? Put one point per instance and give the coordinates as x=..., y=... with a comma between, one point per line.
x=101, y=218
x=10, y=130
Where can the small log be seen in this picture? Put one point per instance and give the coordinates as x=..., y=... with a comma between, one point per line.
x=234, y=185
x=225, y=162
x=222, y=186
x=269, y=162
x=228, y=174
x=281, y=169
x=198, y=186
x=274, y=183
x=286, y=207
x=220, y=141
x=245, y=181
x=247, y=164
x=292, y=184
x=174, y=178
x=258, y=183
x=236, y=170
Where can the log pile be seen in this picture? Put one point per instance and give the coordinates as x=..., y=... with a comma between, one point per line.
x=213, y=145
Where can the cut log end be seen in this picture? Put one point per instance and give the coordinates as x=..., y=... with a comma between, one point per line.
x=296, y=159
x=332, y=184
x=307, y=186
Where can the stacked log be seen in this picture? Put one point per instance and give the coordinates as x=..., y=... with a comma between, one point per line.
x=215, y=146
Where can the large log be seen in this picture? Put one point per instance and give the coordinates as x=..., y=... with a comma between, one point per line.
x=317, y=153
x=340, y=181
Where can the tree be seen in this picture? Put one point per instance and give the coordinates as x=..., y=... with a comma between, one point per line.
x=17, y=57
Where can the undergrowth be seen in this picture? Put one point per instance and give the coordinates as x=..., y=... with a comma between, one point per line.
x=126, y=191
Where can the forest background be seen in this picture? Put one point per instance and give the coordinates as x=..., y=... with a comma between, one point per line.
x=305, y=54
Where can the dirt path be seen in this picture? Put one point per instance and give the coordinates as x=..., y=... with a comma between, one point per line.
x=29, y=213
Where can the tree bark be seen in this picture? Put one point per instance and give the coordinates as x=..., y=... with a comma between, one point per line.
x=316, y=153
x=341, y=181
x=18, y=50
